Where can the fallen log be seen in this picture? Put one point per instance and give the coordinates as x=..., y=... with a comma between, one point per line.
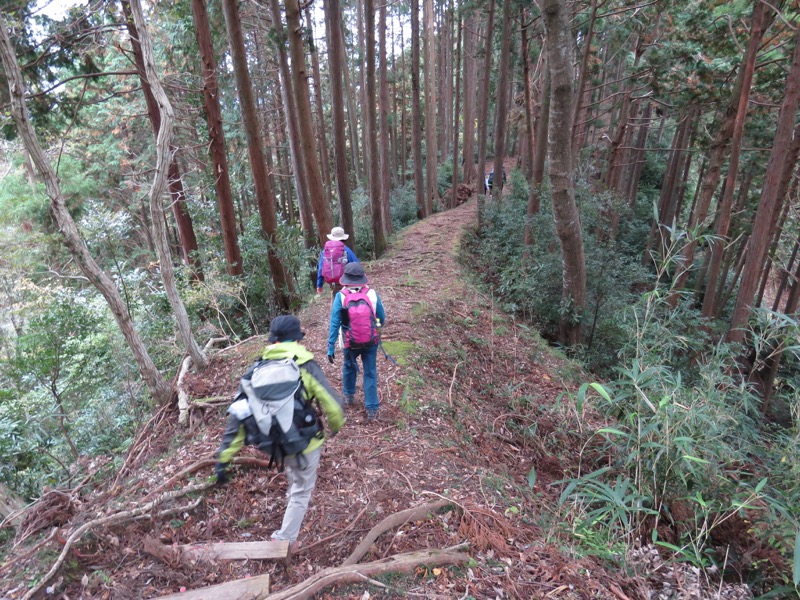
x=344, y=574
x=253, y=588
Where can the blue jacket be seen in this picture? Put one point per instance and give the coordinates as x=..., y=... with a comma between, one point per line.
x=351, y=257
x=336, y=317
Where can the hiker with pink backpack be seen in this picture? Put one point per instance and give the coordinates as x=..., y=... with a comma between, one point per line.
x=357, y=314
x=332, y=260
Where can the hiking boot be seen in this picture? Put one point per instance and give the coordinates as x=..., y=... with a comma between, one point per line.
x=372, y=414
x=349, y=399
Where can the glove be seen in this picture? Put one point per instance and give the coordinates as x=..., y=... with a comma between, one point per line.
x=330, y=358
x=222, y=474
x=319, y=290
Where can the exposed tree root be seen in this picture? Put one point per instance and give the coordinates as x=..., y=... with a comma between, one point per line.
x=399, y=563
x=390, y=522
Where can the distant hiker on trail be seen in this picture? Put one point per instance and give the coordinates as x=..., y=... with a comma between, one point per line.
x=332, y=260
x=273, y=411
x=358, y=313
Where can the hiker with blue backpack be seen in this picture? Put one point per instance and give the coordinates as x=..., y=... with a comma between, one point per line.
x=274, y=410
x=332, y=260
x=357, y=316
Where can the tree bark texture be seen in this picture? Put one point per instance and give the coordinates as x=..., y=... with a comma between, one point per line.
x=316, y=193
x=732, y=118
x=501, y=106
x=216, y=135
x=562, y=176
x=333, y=21
x=383, y=118
x=284, y=289
x=416, y=114
x=454, y=190
x=468, y=156
x=322, y=137
x=726, y=202
x=295, y=146
x=483, y=110
x=759, y=238
x=373, y=159
x=431, y=176
x=157, y=386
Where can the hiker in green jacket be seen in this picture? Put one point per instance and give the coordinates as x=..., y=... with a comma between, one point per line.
x=243, y=429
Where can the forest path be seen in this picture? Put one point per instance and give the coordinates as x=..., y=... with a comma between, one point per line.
x=468, y=413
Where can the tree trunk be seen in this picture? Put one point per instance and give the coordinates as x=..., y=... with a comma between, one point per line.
x=540, y=153
x=416, y=114
x=186, y=235
x=284, y=288
x=352, y=112
x=321, y=134
x=319, y=201
x=723, y=223
x=333, y=20
x=562, y=173
x=732, y=122
x=668, y=199
x=639, y=156
x=528, y=93
x=431, y=178
x=454, y=190
x=385, y=154
x=373, y=159
x=295, y=146
x=158, y=387
x=579, y=119
x=468, y=156
x=759, y=238
x=216, y=135
x=501, y=105
x=163, y=159
x=483, y=111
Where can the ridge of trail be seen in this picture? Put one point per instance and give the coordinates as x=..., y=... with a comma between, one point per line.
x=419, y=265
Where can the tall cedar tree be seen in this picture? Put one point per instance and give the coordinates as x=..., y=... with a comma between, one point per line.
x=316, y=193
x=295, y=145
x=501, y=104
x=333, y=24
x=383, y=118
x=759, y=238
x=373, y=159
x=284, y=290
x=431, y=179
x=216, y=139
x=416, y=114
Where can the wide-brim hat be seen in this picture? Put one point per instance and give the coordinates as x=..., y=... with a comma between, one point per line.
x=353, y=275
x=285, y=328
x=337, y=234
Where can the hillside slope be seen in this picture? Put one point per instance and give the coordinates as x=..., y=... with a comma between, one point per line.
x=467, y=414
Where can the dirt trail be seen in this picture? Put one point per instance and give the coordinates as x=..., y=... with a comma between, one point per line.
x=453, y=422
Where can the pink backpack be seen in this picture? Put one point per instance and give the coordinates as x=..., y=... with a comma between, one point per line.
x=334, y=258
x=359, y=324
